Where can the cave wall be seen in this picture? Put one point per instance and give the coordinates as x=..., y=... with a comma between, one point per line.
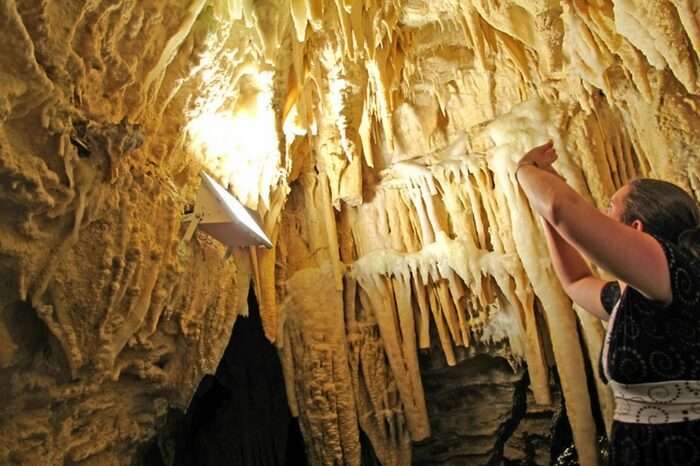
x=106, y=319
x=377, y=141
x=513, y=429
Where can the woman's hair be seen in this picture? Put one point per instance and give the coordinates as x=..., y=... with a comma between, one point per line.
x=666, y=211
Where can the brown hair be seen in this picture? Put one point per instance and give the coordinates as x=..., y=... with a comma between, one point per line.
x=666, y=211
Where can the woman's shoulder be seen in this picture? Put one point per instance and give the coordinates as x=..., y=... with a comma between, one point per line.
x=679, y=256
x=684, y=272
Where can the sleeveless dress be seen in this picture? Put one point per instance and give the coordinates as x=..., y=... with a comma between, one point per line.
x=651, y=360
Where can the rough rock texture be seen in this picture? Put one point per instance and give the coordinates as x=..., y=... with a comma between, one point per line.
x=464, y=431
x=482, y=411
x=531, y=442
x=105, y=318
x=377, y=141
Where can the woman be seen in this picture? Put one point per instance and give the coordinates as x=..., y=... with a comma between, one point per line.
x=650, y=241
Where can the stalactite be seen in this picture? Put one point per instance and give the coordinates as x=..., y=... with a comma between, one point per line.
x=375, y=140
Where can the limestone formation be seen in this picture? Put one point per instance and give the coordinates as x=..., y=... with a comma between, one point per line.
x=376, y=140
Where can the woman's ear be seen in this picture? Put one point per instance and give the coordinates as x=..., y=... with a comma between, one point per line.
x=637, y=225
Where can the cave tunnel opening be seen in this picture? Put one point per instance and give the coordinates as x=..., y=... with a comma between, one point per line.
x=238, y=416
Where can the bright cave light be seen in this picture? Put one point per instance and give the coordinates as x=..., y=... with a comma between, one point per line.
x=225, y=133
x=240, y=146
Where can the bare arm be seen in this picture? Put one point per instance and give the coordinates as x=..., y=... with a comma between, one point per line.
x=631, y=255
x=575, y=275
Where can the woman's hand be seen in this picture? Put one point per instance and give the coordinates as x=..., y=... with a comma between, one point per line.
x=541, y=156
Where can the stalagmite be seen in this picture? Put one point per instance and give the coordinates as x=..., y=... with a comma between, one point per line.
x=321, y=371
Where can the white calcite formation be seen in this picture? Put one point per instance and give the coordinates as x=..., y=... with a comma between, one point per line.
x=377, y=141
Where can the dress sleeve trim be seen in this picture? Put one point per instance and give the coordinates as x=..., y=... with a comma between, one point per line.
x=609, y=295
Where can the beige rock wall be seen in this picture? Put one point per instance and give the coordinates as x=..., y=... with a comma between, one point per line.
x=377, y=140
x=105, y=318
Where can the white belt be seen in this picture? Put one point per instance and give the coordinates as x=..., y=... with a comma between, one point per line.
x=657, y=403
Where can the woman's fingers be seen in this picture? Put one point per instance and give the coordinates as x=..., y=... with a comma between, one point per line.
x=551, y=154
x=546, y=145
x=542, y=155
x=540, y=149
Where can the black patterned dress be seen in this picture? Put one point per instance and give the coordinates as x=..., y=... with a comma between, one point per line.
x=650, y=345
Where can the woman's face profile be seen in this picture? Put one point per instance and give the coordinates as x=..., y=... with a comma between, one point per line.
x=617, y=203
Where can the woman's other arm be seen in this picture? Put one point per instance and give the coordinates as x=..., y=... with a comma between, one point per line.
x=574, y=274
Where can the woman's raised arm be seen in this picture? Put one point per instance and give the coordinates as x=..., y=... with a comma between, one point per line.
x=631, y=255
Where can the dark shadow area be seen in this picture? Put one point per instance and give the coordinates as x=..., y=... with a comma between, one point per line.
x=240, y=415
x=369, y=457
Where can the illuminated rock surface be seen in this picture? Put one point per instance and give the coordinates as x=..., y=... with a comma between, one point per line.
x=377, y=141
